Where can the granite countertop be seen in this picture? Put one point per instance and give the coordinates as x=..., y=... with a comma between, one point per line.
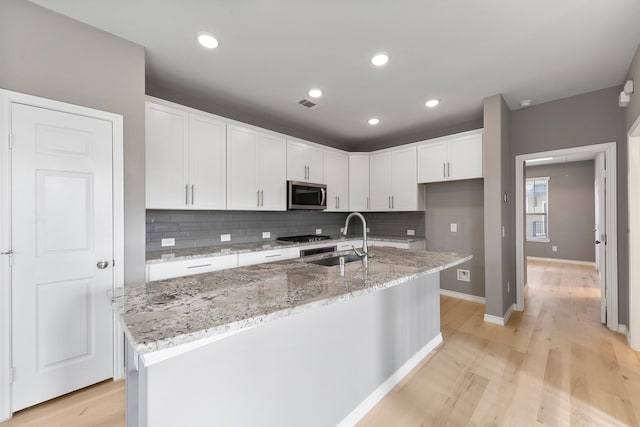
x=168, y=313
x=231, y=249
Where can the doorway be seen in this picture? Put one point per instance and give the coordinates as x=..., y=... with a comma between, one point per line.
x=61, y=247
x=607, y=257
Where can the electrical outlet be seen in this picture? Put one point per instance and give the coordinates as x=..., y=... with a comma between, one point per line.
x=554, y=248
x=168, y=242
x=454, y=227
x=318, y=230
x=368, y=230
x=266, y=234
x=464, y=275
x=341, y=230
x=225, y=237
x=411, y=232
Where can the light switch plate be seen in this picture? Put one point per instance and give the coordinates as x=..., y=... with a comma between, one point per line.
x=225, y=237
x=411, y=232
x=318, y=230
x=266, y=234
x=454, y=227
x=168, y=242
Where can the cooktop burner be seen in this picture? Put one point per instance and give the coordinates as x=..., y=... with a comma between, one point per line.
x=305, y=238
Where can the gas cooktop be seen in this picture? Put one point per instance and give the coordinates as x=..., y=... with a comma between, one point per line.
x=304, y=238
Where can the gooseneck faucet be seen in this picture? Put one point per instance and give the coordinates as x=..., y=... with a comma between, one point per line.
x=365, y=249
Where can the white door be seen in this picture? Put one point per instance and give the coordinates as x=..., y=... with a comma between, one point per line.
x=242, y=169
x=600, y=232
x=404, y=184
x=336, y=177
x=380, y=181
x=465, y=157
x=432, y=161
x=359, y=182
x=61, y=213
x=273, y=173
x=207, y=163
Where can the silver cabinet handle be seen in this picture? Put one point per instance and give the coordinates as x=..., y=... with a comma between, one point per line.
x=273, y=256
x=186, y=194
x=262, y=198
x=258, y=194
x=192, y=194
x=389, y=202
x=448, y=170
x=199, y=266
x=393, y=203
x=444, y=170
x=368, y=203
x=338, y=202
x=102, y=264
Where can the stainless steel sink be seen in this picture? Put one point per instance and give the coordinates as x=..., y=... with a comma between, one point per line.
x=335, y=260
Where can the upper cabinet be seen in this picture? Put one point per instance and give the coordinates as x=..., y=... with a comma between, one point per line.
x=185, y=159
x=451, y=158
x=304, y=161
x=336, y=177
x=256, y=174
x=393, y=182
x=359, y=181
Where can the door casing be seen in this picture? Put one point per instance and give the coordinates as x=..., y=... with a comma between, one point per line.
x=7, y=98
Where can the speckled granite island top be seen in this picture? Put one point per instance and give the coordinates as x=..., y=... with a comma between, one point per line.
x=168, y=313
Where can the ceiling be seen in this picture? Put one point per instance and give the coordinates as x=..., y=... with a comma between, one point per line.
x=459, y=51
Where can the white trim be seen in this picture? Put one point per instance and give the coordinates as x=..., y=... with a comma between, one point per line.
x=562, y=261
x=624, y=331
x=634, y=234
x=609, y=149
x=6, y=99
x=376, y=396
x=497, y=320
x=463, y=296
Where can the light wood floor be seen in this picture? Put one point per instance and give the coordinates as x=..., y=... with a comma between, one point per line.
x=554, y=365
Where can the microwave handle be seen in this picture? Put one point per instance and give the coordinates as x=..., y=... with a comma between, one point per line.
x=324, y=196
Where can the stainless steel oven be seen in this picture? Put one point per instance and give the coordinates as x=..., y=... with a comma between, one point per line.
x=306, y=196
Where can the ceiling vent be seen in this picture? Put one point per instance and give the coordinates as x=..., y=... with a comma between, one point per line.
x=308, y=104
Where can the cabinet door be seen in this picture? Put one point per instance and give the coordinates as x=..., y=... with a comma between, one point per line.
x=304, y=162
x=404, y=182
x=166, y=135
x=242, y=168
x=359, y=182
x=207, y=163
x=273, y=175
x=380, y=181
x=432, y=161
x=465, y=157
x=336, y=173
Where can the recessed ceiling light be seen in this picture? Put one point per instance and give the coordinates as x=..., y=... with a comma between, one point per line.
x=432, y=103
x=374, y=121
x=207, y=40
x=315, y=93
x=525, y=103
x=379, y=59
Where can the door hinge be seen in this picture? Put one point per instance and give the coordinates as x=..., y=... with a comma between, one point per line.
x=9, y=253
x=10, y=141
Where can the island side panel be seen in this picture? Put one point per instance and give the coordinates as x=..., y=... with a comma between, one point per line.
x=312, y=368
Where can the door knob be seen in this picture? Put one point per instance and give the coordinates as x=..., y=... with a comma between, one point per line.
x=102, y=264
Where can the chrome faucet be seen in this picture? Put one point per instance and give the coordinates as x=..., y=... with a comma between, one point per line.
x=365, y=249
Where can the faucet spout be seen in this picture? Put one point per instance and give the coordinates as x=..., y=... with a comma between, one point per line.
x=365, y=248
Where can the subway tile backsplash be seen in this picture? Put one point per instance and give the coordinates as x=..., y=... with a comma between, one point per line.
x=203, y=228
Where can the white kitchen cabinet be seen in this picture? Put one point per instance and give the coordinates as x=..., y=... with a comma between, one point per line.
x=304, y=162
x=393, y=182
x=185, y=159
x=261, y=257
x=416, y=245
x=450, y=158
x=256, y=165
x=171, y=269
x=359, y=182
x=336, y=177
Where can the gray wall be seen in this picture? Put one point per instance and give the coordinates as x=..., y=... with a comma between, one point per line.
x=460, y=202
x=571, y=211
x=590, y=118
x=633, y=110
x=498, y=179
x=46, y=54
x=194, y=229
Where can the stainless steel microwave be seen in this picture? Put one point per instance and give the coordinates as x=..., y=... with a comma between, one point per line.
x=306, y=196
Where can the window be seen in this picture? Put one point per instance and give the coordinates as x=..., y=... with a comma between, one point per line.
x=537, y=209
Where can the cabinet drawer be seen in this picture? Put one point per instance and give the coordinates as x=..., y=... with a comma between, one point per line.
x=252, y=258
x=171, y=269
x=349, y=244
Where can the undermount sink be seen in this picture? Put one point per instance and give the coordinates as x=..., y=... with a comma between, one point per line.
x=335, y=260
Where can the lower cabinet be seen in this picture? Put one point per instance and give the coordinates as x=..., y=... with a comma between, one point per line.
x=251, y=258
x=171, y=269
x=417, y=245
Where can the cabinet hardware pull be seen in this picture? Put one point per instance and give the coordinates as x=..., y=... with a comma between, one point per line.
x=368, y=202
x=199, y=266
x=338, y=202
x=448, y=170
x=444, y=170
x=258, y=194
x=273, y=256
x=186, y=194
x=393, y=202
x=192, y=194
x=262, y=198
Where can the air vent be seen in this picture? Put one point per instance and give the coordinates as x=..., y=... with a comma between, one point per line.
x=308, y=104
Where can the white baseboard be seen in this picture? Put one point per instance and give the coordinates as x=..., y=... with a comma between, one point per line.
x=563, y=261
x=460, y=295
x=376, y=396
x=625, y=331
x=497, y=320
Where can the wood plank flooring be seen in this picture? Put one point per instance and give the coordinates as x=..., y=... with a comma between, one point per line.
x=553, y=365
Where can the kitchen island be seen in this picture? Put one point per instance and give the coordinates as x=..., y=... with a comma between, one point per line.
x=285, y=343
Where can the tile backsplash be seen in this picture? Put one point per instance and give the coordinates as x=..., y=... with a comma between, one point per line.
x=203, y=228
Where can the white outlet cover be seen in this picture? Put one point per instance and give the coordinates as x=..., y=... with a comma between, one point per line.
x=318, y=230
x=411, y=232
x=266, y=234
x=225, y=237
x=341, y=229
x=454, y=227
x=464, y=275
x=554, y=248
x=168, y=242
x=368, y=230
